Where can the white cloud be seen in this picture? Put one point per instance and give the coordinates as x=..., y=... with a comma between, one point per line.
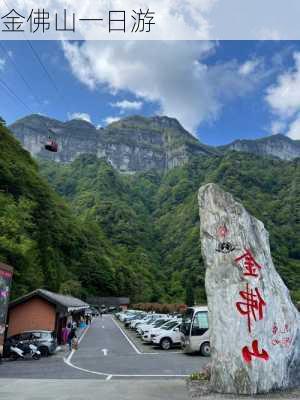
x=294, y=129
x=284, y=100
x=126, y=105
x=284, y=96
x=278, y=127
x=249, y=66
x=172, y=73
x=110, y=120
x=2, y=64
x=77, y=115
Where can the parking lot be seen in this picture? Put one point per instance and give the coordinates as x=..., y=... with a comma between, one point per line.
x=142, y=346
x=107, y=351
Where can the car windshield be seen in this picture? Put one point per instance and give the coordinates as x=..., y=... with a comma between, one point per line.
x=159, y=323
x=47, y=335
x=167, y=324
x=149, y=320
x=171, y=326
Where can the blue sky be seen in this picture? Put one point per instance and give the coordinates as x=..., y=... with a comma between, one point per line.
x=220, y=91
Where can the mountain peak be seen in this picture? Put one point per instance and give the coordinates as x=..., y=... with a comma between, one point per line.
x=136, y=143
x=78, y=122
x=133, y=144
x=159, y=121
x=279, y=146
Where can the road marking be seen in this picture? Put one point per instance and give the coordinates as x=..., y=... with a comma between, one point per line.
x=68, y=362
x=68, y=359
x=129, y=340
x=110, y=376
x=105, y=351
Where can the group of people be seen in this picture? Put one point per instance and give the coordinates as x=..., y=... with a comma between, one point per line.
x=69, y=335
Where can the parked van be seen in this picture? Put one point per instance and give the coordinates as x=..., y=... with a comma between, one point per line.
x=194, y=331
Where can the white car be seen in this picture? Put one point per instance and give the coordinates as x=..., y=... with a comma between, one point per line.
x=156, y=325
x=147, y=334
x=147, y=325
x=139, y=321
x=144, y=323
x=126, y=314
x=167, y=338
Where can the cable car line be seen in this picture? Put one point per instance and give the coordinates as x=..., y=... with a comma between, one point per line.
x=39, y=60
x=13, y=94
x=19, y=72
x=43, y=67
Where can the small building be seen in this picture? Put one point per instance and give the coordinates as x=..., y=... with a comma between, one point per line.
x=43, y=310
x=118, y=302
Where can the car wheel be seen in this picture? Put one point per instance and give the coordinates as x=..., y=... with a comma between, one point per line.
x=44, y=351
x=205, y=349
x=166, y=343
x=14, y=356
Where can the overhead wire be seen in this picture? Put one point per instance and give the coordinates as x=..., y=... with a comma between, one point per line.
x=41, y=63
x=22, y=77
x=13, y=94
x=43, y=67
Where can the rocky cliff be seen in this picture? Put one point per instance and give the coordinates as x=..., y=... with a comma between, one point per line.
x=279, y=146
x=136, y=143
x=130, y=145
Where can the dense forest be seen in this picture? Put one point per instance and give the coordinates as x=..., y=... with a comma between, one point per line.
x=85, y=229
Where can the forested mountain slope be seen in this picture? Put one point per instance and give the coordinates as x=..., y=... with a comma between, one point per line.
x=153, y=217
x=48, y=244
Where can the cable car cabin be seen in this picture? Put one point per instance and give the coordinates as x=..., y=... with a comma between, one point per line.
x=51, y=145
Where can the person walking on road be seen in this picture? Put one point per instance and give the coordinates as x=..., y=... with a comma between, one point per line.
x=65, y=333
x=72, y=335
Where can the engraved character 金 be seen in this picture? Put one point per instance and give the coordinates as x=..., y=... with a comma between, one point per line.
x=250, y=266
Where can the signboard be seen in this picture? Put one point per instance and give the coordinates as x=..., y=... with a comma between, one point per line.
x=6, y=273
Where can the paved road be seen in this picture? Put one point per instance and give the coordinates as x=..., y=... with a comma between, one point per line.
x=107, y=349
x=20, y=389
x=106, y=353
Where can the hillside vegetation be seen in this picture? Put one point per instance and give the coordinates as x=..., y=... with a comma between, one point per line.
x=152, y=218
x=85, y=229
x=47, y=243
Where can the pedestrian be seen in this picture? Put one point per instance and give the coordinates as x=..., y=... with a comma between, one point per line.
x=87, y=319
x=71, y=336
x=101, y=313
x=65, y=333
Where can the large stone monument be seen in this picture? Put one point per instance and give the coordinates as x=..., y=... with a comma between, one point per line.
x=254, y=326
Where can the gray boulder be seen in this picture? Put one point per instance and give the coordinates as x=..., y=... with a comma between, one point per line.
x=254, y=326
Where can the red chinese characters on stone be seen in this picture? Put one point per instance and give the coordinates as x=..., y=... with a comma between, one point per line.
x=253, y=305
x=274, y=328
x=254, y=352
x=250, y=266
x=281, y=335
x=285, y=329
x=283, y=342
